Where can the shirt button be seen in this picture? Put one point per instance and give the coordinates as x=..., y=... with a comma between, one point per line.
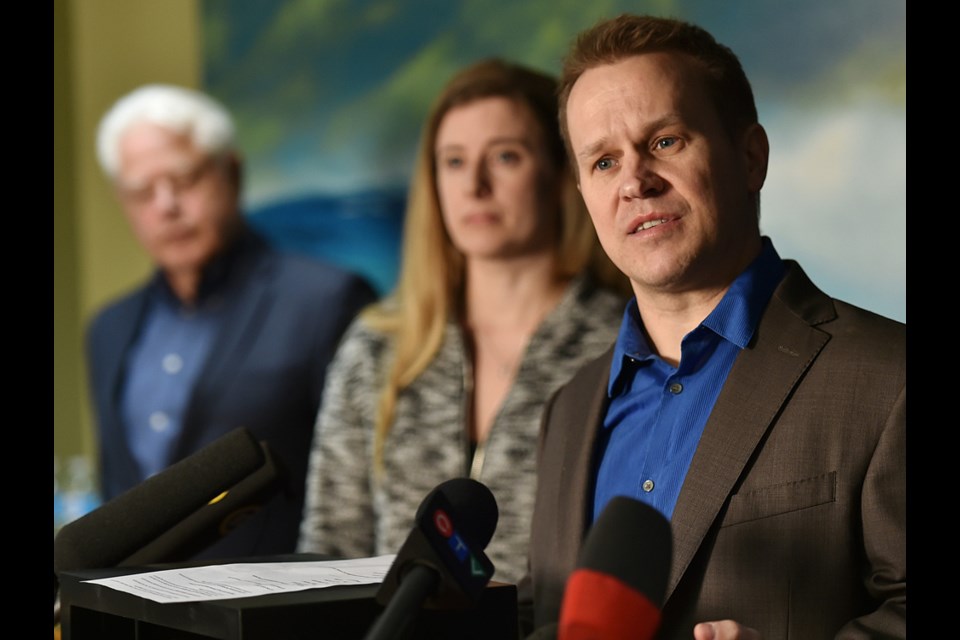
x=159, y=421
x=676, y=388
x=648, y=486
x=172, y=363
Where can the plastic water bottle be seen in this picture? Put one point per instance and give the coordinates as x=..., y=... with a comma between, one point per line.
x=74, y=490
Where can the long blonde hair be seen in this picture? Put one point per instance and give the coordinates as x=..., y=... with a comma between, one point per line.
x=430, y=285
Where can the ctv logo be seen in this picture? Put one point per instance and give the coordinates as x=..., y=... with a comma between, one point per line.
x=444, y=526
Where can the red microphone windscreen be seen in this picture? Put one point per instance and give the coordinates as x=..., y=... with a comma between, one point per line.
x=618, y=586
x=598, y=606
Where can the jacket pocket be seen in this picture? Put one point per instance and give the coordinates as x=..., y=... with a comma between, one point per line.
x=781, y=498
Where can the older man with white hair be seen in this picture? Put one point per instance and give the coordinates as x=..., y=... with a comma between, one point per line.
x=227, y=332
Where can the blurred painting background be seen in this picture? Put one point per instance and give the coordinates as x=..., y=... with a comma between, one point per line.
x=329, y=98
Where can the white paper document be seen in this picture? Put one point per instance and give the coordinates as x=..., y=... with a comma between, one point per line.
x=242, y=580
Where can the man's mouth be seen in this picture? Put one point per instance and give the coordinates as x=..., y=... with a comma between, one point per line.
x=649, y=224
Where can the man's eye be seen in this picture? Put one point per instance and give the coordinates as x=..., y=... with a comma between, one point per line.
x=138, y=194
x=665, y=143
x=187, y=180
x=604, y=163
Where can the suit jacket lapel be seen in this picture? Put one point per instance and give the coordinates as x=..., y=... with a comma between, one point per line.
x=123, y=331
x=250, y=299
x=113, y=351
x=784, y=346
x=580, y=460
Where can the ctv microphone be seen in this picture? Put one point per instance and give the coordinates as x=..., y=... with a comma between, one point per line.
x=617, y=588
x=176, y=513
x=441, y=565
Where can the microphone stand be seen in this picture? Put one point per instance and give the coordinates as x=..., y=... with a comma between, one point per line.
x=394, y=623
x=56, y=600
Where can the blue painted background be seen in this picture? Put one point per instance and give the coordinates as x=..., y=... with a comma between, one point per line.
x=330, y=96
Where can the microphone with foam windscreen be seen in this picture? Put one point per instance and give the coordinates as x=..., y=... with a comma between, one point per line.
x=176, y=513
x=616, y=590
x=441, y=565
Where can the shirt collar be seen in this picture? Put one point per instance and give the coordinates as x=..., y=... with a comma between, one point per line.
x=735, y=318
x=216, y=275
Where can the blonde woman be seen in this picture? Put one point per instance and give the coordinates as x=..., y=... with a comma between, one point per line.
x=503, y=293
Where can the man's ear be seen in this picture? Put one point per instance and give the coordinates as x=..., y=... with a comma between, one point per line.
x=235, y=170
x=756, y=153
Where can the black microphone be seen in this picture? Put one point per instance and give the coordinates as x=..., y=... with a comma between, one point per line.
x=176, y=513
x=544, y=632
x=616, y=590
x=441, y=565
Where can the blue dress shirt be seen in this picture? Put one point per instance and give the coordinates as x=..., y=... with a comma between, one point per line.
x=163, y=365
x=657, y=412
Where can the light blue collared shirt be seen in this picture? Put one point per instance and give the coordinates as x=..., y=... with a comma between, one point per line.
x=164, y=363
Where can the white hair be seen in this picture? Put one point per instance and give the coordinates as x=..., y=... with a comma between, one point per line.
x=185, y=111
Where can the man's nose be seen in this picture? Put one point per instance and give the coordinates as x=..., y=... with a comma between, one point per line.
x=639, y=180
x=165, y=194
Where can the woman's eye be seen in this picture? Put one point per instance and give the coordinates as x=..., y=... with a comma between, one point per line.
x=508, y=157
x=451, y=162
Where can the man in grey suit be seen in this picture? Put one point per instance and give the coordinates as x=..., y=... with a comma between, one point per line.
x=763, y=418
x=227, y=333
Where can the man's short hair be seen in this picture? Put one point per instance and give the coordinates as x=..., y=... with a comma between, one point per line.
x=613, y=40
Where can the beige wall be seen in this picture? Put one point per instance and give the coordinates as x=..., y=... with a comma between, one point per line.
x=102, y=49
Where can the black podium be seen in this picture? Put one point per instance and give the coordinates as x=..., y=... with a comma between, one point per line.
x=95, y=612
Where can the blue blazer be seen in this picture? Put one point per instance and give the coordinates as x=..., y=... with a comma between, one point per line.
x=265, y=372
